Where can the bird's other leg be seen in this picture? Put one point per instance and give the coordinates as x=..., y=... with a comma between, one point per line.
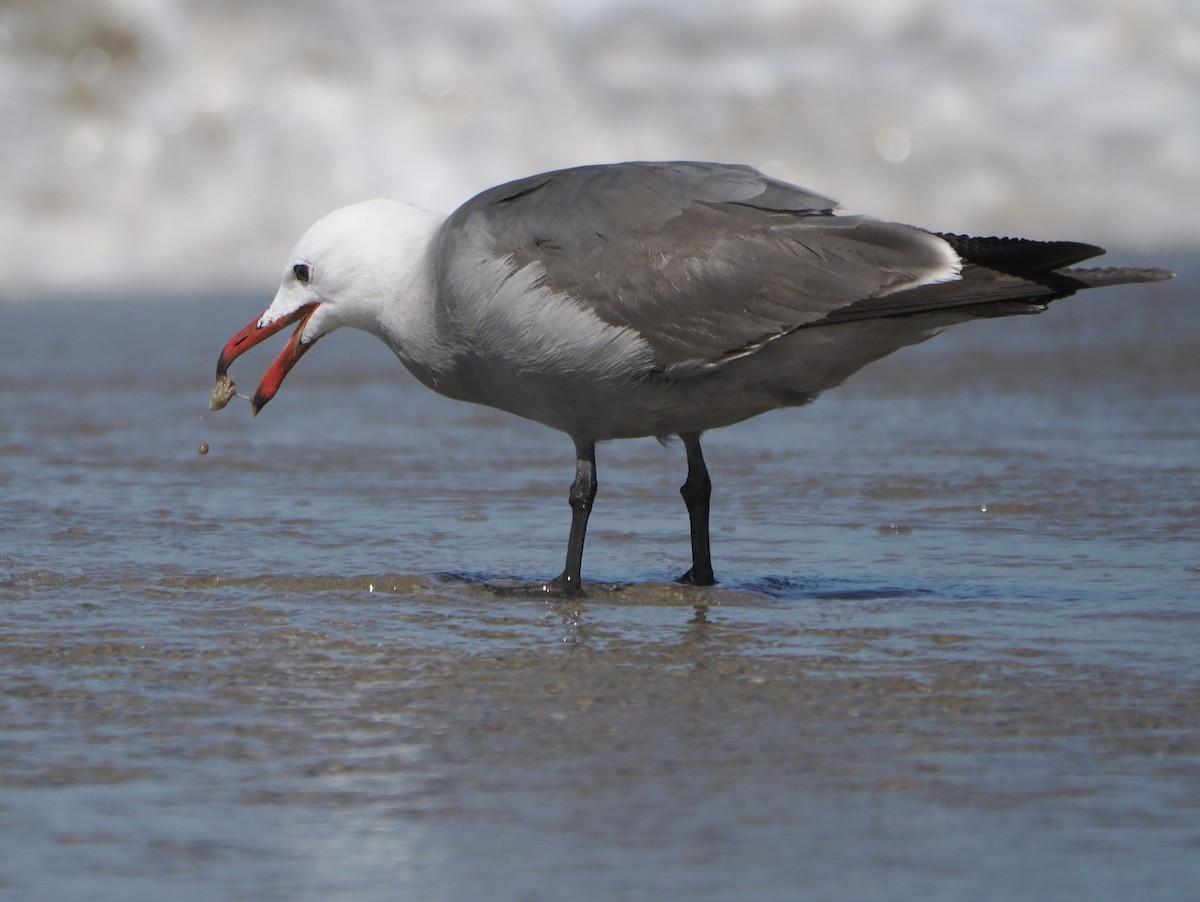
x=583, y=493
x=696, y=492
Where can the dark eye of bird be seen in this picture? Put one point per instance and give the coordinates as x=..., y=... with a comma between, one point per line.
x=301, y=271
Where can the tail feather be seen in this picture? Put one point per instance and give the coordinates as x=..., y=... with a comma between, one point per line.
x=1001, y=277
x=1102, y=277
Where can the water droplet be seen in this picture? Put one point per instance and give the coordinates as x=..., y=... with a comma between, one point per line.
x=893, y=144
x=81, y=148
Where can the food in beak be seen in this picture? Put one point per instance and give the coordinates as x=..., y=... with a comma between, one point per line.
x=247, y=338
x=223, y=392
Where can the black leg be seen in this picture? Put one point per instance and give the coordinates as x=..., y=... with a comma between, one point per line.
x=583, y=493
x=696, y=492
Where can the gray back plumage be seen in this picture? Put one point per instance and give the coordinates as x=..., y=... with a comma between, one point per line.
x=707, y=260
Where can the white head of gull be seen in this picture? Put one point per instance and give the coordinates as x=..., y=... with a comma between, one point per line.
x=646, y=299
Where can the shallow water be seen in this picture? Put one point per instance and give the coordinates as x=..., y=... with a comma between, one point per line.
x=953, y=653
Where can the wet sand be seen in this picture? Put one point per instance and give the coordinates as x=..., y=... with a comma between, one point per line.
x=952, y=654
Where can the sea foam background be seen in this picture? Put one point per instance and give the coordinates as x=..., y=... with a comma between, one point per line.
x=151, y=146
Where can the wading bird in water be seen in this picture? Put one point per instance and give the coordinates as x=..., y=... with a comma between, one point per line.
x=645, y=299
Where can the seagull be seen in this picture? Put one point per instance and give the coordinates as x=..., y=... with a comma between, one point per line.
x=646, y=299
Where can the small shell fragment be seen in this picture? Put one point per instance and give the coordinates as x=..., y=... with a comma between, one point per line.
x=203, y=447
x=222, y=393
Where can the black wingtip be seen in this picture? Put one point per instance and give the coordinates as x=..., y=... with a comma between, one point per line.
x=1021, y=257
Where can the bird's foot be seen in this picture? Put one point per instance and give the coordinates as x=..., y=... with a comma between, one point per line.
x=564, y=586
x=694, y=577
x=559, y=587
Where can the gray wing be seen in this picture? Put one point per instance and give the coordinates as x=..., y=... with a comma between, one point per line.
x=708, y=261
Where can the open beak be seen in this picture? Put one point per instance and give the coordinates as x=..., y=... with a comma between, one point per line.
x=252, y=335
